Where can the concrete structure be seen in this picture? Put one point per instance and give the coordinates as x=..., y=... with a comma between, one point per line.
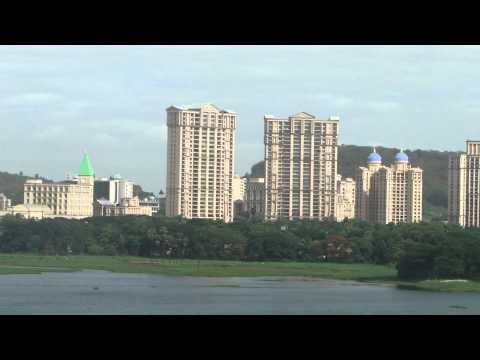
x=255, y=197
x=300, y=167
x=114, y=189
x=464, y=186
x=345, y=203
x=389, y=194
x=200, y=157
x=37, y=212
x=103, y=207
x=5, y=203
x=69, y=199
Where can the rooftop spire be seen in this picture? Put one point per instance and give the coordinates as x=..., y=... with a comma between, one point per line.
x=86, y=168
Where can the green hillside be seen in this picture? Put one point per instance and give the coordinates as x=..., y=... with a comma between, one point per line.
x=434, y=164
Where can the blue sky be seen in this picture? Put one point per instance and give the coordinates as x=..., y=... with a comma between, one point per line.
x=56, y=101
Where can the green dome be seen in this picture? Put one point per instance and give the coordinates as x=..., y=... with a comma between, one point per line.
x=86, y=168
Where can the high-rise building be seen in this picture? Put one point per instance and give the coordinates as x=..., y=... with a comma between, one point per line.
x=300, y=167
x=389, y=194
x=345, y=203
x=464, y=186
x=69, y=199
x=113, y=189
x=200, y=158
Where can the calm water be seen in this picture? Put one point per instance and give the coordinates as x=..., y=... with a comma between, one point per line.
x=98, y=292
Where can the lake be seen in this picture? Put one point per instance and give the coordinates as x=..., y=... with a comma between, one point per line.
x=101, y=292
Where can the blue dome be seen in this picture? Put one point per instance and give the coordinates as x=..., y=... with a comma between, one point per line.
x=374, y=157
x=401, y=157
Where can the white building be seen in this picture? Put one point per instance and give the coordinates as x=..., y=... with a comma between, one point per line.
x=113, y=189
x=69, y=199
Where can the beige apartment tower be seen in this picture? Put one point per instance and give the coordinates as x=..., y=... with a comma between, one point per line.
x=200, y=156
x=464, y=187
x=389, y=194
x=300, y=167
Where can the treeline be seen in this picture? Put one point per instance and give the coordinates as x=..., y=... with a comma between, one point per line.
x=418, y=250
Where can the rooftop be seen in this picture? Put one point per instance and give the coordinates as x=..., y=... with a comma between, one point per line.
x=204, y=106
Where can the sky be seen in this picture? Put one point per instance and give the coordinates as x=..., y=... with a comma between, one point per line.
x=58, y=101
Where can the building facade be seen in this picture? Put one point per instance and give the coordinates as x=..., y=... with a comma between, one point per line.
x=464, y=186
x=114, y=189
x=69, y=199
x=255, y=197
x=200, y=161
x=300, y=167
x=28, y=211
x=127, y=206
x=238, y=195
x=345, y=203
x=389, y=194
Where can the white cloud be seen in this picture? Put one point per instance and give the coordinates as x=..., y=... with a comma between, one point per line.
x=383, y=106
x=48, y=133
x=346, y=102
x=31, y=99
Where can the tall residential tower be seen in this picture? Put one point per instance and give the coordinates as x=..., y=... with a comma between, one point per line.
x=464, y=187
x=300, y=167
x=200, y=155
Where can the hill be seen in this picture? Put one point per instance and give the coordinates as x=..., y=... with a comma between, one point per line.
x=12, y=185
x=434, y=165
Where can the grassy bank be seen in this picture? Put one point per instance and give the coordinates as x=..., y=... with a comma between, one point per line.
x=25, y=264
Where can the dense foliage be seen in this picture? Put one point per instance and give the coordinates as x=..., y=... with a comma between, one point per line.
x=418, y=250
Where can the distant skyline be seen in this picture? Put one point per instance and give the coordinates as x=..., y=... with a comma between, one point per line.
x=57, y=101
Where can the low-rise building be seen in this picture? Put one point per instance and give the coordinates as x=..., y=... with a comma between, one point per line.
x=104, y=207
x=68, y=199
x=29, y=211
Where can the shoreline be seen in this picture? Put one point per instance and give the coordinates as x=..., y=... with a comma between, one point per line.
x=380, y=275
